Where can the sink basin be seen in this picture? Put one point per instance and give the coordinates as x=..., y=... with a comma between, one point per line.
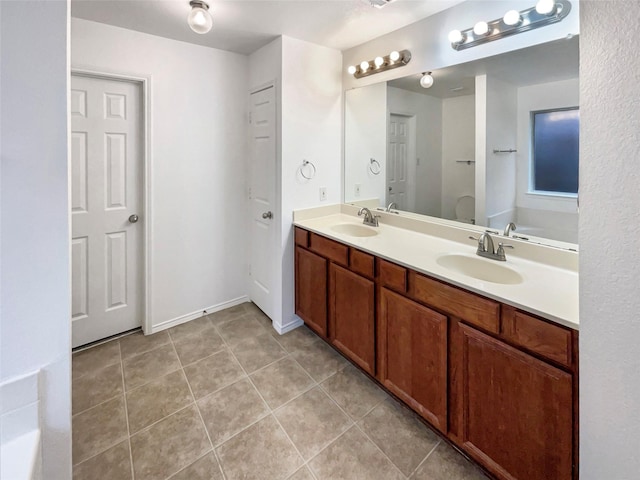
x=354, y=230
x=487, y=270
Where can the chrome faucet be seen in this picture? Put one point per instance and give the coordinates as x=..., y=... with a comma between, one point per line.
x=487, y=249
x=391, y=205
x=369, y=218
x=509, y=228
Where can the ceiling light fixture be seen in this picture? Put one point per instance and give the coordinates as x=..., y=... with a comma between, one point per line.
x=199, y=18
x=545, y=12
x=380, y=64
x=427, y=80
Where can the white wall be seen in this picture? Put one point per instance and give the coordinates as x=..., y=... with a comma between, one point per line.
x=34, y=255
x=498, y=129
x=458, y=143
x=309, y=126
x=365, y=136
x=311, y=129
x=428, y=116
x=609, y=233
x=427, y=39
x=198, y=123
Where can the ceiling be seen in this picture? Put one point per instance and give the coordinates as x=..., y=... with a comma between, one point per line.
x=547, y=62
x=243, y=26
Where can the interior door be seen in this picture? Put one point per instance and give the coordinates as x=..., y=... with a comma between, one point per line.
x=397, y=164
x=106, y=207
x=262, y=197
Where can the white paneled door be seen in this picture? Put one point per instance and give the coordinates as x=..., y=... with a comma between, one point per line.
x=399, y=141
x=262, y=197
x=106, y=207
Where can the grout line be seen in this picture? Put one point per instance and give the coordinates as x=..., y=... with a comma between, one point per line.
x=427, y=457
x=126, y=413
x=380, y=450
x=196, y=460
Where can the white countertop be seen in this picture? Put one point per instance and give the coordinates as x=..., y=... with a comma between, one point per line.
x=547, y=290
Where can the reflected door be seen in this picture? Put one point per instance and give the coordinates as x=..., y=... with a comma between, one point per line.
x=106, y=213
x=397, y=161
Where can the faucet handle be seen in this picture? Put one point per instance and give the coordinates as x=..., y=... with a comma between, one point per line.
x=500, y=252
x=505, y=245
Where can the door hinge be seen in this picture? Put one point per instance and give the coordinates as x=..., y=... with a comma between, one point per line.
x=249, y=270
x=249, y=117
x=249, y=193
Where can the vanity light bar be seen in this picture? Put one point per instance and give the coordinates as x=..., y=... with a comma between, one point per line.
x=381, y=64
x=544, y=13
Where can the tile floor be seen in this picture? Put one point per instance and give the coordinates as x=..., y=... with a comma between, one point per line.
x=226, y=397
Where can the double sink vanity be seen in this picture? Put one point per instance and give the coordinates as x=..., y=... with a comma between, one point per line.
x=485, y=351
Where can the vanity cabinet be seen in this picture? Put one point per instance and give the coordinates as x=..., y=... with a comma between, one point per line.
x=352, y=316
x=413, y=355
x=499, y=383
x=516, y=411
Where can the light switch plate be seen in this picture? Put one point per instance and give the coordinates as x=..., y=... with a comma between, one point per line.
x=323, y=194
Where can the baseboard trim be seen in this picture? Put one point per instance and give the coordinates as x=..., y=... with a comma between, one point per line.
x=282, y=329
x=197, y=314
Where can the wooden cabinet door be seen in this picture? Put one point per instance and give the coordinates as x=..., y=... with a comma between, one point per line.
x=517, y=414
x=352, y=316
x=413, y=355
x=311, y=290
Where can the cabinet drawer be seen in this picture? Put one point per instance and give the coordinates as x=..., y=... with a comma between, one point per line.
x=475, y=310
x=392, y=275
x=328, y=248
x=301, y=237
x=361, y=263
x=550, y=341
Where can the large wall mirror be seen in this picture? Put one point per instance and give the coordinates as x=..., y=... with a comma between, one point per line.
x=492, y=141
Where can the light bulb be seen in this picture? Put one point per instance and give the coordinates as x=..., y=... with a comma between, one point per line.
x=546, y=7
x=512, y=17
x=199, y=18
x=364, y=66
x=427, y=80
x=394, y=56
x=481, y=28
x=456, y=37
x=351, y=70
x=379, y=61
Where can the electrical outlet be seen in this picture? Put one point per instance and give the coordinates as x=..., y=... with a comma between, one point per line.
x=357, y=190
x=323, y=194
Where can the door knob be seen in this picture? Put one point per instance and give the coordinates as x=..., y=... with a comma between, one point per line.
x=267, y=215
x=133, y=218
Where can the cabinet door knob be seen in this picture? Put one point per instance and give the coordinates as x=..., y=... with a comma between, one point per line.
x=267, y=215
x=133, y=218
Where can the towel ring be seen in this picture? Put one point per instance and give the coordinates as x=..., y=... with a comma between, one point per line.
x=304, y=164
x=372, y=169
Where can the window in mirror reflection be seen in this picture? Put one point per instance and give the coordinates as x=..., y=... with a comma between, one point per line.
x=555, y=155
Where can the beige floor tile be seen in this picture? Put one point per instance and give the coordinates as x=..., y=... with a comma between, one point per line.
x=258, y=352
x=147, y=366
x=354, y=457
x=95, y=358
x=261, y=452
x=312, y=421
x=213, y=373
x=196, y=347
x=228, y=315
x=90, y=390
x=399, y=434
x=194, y=327
x=319, y=360
x=260, y=316
x=112, y=464
x=138, y=342
x=296, y=339
x=445, y=463
x=99, y=428
x=157, y=399
x=206, y=468
x=231, y=409
x=169, y=446
x=354, y=392
x=302, y=474
x=281, y=381
x=240, y=330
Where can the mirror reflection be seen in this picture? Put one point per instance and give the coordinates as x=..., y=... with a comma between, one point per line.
x=490, y=142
